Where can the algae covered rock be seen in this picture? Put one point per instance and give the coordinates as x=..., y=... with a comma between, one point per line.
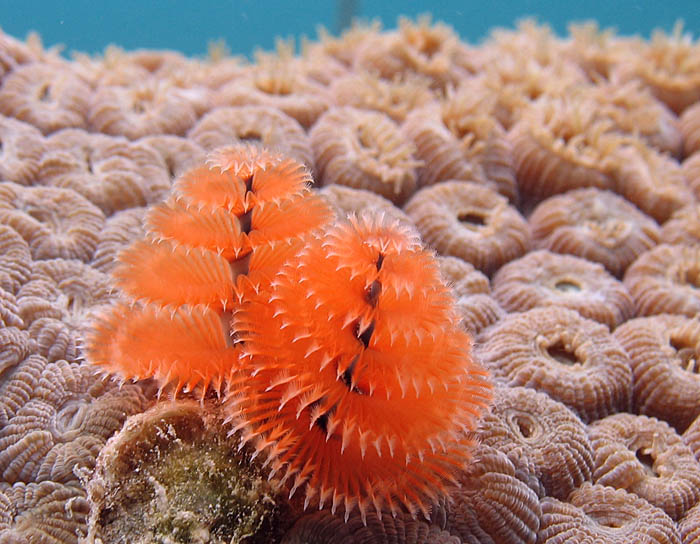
x=172, y=475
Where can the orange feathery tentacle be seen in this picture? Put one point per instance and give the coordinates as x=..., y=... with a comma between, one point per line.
x=198, y=263
x=204, y=187
x=170, y=274
x=188, y=346
x=287, y=219
x=263, y=266
x=282, y=181
x=262, y=176
x=212, y=228
x=242, y=160
x=358, y=395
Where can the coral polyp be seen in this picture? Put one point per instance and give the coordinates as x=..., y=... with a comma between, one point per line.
x=356, y=382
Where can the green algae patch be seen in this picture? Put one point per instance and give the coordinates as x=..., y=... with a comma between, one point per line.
x=173, y=476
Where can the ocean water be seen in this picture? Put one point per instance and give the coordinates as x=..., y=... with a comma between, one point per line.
x=190, y=25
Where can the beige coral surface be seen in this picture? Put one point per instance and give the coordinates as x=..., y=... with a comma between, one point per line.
x=526, y=155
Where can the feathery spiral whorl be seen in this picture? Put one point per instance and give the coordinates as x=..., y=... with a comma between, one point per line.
x=227, y=226
x=356, y=381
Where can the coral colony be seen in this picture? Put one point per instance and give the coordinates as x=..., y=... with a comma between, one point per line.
x=333, y=342
x=276, y=346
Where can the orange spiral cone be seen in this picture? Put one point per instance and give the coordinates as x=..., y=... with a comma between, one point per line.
x=356, y=382
x=221, y=236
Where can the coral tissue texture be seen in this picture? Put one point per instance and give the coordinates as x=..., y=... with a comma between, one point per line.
x=317, y=254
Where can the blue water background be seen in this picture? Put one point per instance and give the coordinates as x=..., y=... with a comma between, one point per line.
x=189, y=26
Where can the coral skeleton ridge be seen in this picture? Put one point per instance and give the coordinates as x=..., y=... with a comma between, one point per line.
x=335, y=344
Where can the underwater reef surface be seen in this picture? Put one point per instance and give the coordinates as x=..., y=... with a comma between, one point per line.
x=556, y=180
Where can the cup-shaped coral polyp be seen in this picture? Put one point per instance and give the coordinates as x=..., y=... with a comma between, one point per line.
x=356, y=381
